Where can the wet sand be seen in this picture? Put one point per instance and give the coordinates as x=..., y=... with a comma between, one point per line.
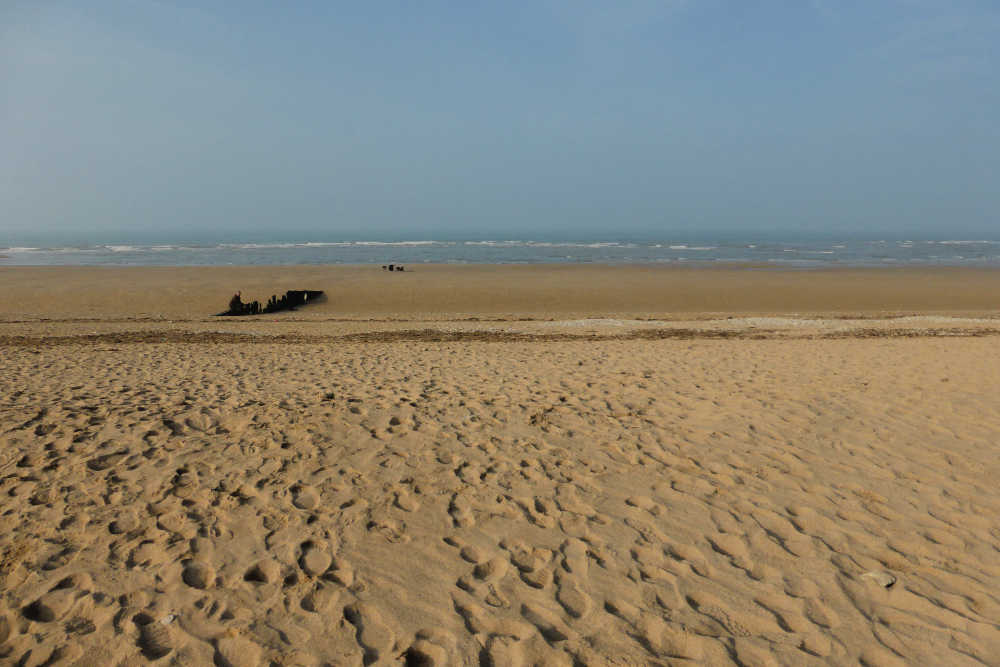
x=537, y=291
x=500, y=465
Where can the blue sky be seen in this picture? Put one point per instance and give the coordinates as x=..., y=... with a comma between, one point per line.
x=180, y=119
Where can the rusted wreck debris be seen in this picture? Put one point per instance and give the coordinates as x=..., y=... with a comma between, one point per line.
x=290, y=300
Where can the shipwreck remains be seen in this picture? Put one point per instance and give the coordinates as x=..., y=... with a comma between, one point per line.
x=290, y=300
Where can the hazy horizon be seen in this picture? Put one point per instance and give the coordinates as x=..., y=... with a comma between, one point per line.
x=174, y=120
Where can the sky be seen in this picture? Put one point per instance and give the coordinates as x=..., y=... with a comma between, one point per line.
x=323, y=120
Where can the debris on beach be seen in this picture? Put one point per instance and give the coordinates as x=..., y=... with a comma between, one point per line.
x=882, y=578
x=290, y=300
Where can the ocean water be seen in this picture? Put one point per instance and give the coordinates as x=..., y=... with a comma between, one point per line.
x=790, y=253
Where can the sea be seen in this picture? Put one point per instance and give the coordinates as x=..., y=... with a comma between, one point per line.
x=706, y=250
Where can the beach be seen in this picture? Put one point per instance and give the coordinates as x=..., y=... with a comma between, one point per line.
x=500, y=465
x=505, y=291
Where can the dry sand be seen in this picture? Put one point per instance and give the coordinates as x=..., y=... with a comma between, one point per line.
x=351, y=484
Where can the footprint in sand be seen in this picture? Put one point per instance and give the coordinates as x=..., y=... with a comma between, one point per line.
x=178, y=524
x=305, y=497
x=548, y=622
x=423, y=653
x=431, y=648
x=645, y=555
x=571, y=595
x=460, y=510
x=406, y=502
x=198, y=574
x=341, y=572
x=534, y=571
x=8, y=629
x=472, y=554
x=126, y=522
x=237, y=652
x=733, y=623
x=492, y=570
x=392, y=530
x=266, y=571
x=648, y=532
x=51, y=606
x=147, y=554
x=575, y=525
x=656, y=635
x=575, y=556
x=469, y=473
x=321, y=599
x=504, y=651
x=155, y=636
x=106, y=461
x=544, y=512
x=653, y=568
x=373, y=634
x=208, y=620
x=568, y=500
x=477, y=619
x=316, y=558
x=70, y=593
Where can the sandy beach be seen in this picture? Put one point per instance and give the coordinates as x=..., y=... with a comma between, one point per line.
x=500, y=465
x=560, y=291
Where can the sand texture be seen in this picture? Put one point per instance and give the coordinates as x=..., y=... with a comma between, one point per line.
x=309, y=490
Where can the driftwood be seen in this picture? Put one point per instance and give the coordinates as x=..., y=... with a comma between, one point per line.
x=290, y=300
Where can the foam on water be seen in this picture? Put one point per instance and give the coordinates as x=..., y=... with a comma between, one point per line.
x=401, y=243
x=802, y=254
